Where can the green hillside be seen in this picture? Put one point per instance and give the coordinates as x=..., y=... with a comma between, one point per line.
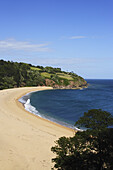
x=13, y=74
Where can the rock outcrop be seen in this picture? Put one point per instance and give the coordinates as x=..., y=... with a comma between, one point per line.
x=72, y=84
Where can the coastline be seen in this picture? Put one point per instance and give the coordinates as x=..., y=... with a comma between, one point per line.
x=39, y=117
x=26, y=139
x=26, y=103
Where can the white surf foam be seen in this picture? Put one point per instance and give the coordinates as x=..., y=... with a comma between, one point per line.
x=31, y=108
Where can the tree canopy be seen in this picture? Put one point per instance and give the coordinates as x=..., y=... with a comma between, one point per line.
x=95, y=119
x=91, y=149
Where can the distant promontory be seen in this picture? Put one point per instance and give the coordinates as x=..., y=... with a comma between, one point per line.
x=14, y=74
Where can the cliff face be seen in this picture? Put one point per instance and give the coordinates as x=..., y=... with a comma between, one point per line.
x=72, y=85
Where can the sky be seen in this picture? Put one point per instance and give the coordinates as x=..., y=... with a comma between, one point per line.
x=75, y=35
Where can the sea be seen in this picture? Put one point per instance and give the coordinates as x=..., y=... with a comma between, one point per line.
x=66, y=106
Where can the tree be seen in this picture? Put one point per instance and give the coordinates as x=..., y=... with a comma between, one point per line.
x=91, y=149
x=95, y=119
x=7, y=82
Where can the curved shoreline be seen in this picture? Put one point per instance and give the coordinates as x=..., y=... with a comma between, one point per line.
x=52, y=122
x=26, y=139
x=25, y=100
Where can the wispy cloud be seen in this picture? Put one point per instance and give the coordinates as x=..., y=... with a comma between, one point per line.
x=73, y=37
x=12, y=44
x=77, y=37
x=60, y=61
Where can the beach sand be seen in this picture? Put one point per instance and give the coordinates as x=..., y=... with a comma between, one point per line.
x=25, y=139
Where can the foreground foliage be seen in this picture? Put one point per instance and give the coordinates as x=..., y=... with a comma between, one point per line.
x=91, y=149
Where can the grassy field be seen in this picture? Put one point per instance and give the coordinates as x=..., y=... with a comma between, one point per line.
x=65, y=76
x=34, y=68
x=46, y=75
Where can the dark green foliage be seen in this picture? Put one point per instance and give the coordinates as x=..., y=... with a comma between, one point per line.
x=95, y=119
x=13, y=74
x=66, y=82
x=52, y=70
x=55, y=78
x=34, y=78
x=88, y=150
x=7, y=82
x=59, y=80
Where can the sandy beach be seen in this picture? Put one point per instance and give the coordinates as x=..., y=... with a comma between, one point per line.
x=25, y=139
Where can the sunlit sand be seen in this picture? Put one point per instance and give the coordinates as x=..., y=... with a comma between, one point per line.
x=25, y=139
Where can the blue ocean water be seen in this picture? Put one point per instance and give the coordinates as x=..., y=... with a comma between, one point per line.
x=67, y=106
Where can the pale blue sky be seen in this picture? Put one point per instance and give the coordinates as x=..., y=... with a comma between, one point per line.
x=76, y=35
